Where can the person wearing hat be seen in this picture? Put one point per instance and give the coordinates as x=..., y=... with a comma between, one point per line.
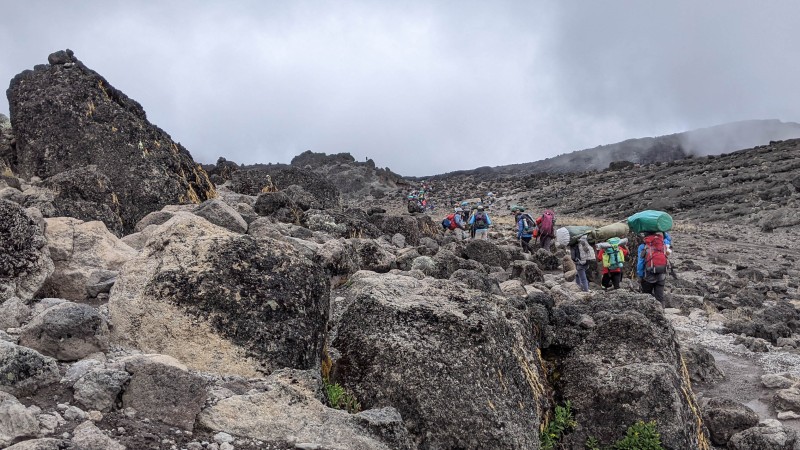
x=479, y=223
x=612, y=257
x=460, y=225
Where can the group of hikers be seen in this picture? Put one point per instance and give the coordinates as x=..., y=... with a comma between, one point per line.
x=610, y=254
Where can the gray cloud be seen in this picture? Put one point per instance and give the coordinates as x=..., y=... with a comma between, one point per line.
x=422, y=87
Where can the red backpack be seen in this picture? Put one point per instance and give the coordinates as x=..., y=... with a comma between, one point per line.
x=655, y=254
x=546, y=225
x=449, y=222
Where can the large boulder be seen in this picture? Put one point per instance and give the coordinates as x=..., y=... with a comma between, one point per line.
x=415, y=345
x=24, y=258
x=23, y=370
x=487, y=253
x=408, y=226
x=98, y=389
x=164, y=392
x=78, y=250
x=16, y=422
x=289, y=411
x=619, y=362
x=66, y=116
x=767, y=435
x=67, y=331
x=220, y=213
x=725, y=417
x=221, y=301
x=85, y=193
x=13, y=313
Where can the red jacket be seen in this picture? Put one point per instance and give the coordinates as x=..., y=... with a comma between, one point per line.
x=600, y=259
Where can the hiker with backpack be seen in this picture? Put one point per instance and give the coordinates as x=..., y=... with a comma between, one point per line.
x=652, y=265
x=611, y=254
x=581, y=253
x=479, y=224
x=455, y=222
x=525, y=228
x=546, y=225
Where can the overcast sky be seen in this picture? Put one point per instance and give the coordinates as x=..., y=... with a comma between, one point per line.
x=422, y=87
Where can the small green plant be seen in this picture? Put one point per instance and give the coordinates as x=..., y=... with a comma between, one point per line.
x=561, y=423
x=592, y=443
x=339, y=398
x=640, y=436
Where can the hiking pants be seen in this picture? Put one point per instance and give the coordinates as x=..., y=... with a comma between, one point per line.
x=611, y=278
x=655, y=289
x=481, y=233
x=546, y=241
x=580, y=277
x=526, y=244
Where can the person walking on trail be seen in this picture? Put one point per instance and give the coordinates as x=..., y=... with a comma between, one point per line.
x=525, y=228
x=546, y=224
x=581, y=253
x=455, y=222
x=652, y=264
x=479, y=224
x=612, y=258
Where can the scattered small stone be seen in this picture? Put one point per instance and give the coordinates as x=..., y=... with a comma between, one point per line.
x=226, y=446
x=95, y=416
x=788, y=415
x=194, y=446
x=223, y=437
x=74, y=413
x=775, y=381
x=121, y=430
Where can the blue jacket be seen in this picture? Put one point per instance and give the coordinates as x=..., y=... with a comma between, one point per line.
x=520, y=227
x=488, y=220
x=640, y=254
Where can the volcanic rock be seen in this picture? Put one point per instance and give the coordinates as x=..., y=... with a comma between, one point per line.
x=767, y=435
x=67, y=331
x=626, y=368
x=414, y=344
x=24, y=259
x=78, y=250
x=289, y=410
x=23, y=370
x=66, y=116
x=725, y=417
x=16, y=422
x=220, y=301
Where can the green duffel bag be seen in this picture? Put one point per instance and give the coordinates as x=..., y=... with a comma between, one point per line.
x=569, y=235
x=650, y=220
x=602, y=234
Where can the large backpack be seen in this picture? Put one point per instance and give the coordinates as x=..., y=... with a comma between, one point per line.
x=528, y=224
x=547, y=223
x=655, y=254
x=480, y=221
x=613, y=258
x=449, y=222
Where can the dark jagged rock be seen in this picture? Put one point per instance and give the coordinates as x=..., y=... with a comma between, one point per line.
x=25, y=261
x=414, y=345
x=67, y=331
x=771, y=323
x=228, y=302
x=23, y=370
x=768, y=435
x=487, y=253
x=66, y=116
x=86, y=194
x=701, y=364
x=254, y=180
x=406, y=225
x=476, y=280
x=725, y=417
x=625, y=368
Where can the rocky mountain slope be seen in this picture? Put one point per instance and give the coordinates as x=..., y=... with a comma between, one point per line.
x=295, y=309
x=714, y=140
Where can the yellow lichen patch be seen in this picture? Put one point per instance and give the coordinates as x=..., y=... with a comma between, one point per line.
x=114, y=129
x=157, y=144
x=686, y=388
x=201, y=178
x=532, y=376
x=269, y=186
x=90, y=109
x=491, y=405
x=103, y=88
x=114, y=198
x=326, y=365
x=174, y=149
